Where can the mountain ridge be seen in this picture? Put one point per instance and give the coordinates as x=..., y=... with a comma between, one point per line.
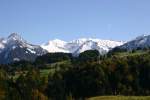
x=15, y=48
x=139, y=42
x=80, y=45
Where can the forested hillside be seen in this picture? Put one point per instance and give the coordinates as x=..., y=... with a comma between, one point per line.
x=60, y=76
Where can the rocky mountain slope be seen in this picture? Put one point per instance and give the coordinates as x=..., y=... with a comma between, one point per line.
x=15, y=48
x=140, y=42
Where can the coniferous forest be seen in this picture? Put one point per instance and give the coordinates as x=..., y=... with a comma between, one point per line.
x=60, y=76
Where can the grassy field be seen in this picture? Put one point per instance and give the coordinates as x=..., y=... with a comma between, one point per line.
x=50, y=68
x=124, y=54
x=45, y=72
x=120, y=98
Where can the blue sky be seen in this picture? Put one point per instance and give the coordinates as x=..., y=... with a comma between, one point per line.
x=41, y=20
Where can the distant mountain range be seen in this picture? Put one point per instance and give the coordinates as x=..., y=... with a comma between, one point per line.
x=15, y=48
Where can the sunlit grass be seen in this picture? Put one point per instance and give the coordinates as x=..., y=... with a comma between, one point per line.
x=120, y=98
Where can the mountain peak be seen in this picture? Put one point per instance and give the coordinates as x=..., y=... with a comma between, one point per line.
x=58, y=41
x=142, y=36
x=15, y=47
x=15, y=36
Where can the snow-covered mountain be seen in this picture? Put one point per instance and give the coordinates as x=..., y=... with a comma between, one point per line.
x=139, y=42
x=15, y=48
x=80, y=45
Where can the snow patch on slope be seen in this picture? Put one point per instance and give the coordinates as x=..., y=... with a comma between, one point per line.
x=55, y=46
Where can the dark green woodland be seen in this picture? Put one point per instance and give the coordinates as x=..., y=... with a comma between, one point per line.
x=61, y=76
